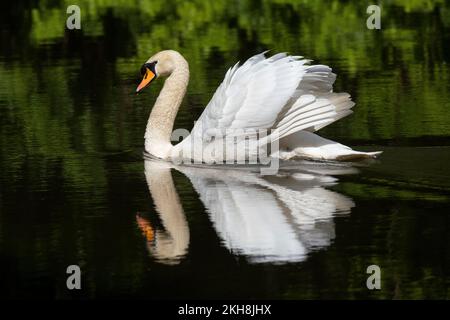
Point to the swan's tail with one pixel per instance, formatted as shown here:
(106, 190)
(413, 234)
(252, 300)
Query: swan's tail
(358, 155)
(305, 144)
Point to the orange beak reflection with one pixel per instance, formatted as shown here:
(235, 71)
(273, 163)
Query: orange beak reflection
(148, 77)
(146, 228)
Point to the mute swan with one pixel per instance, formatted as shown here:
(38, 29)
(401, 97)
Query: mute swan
(280, 218)
(281, 93)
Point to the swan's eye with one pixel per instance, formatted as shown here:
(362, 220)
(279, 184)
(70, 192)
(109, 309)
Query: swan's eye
(150, 66)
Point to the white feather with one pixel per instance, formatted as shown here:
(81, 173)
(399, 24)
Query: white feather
(281, 93)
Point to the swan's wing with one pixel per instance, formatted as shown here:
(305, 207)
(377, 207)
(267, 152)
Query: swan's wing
(281, 92)
(313, 111)
(314, 105)
(252, 95)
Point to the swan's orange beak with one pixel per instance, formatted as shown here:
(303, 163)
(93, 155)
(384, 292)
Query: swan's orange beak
(148, 77)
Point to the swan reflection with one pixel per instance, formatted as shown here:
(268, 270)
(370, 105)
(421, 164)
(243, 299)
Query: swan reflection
(265, 218)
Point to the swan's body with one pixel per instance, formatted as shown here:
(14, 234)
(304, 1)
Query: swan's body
(280, 95)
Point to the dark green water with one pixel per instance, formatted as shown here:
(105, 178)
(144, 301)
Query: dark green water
(73, 185)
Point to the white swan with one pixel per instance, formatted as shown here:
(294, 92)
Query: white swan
(281, 93)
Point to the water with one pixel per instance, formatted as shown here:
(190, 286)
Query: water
(75, 189)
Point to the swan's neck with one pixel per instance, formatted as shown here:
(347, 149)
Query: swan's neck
(162, 117)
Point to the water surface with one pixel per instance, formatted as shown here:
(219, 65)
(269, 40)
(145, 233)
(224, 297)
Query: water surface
(75, 188)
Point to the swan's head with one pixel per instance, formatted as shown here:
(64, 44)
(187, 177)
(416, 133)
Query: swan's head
(159, 65)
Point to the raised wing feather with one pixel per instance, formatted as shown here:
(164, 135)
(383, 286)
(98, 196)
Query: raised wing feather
(252, 96)
(282, 93)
